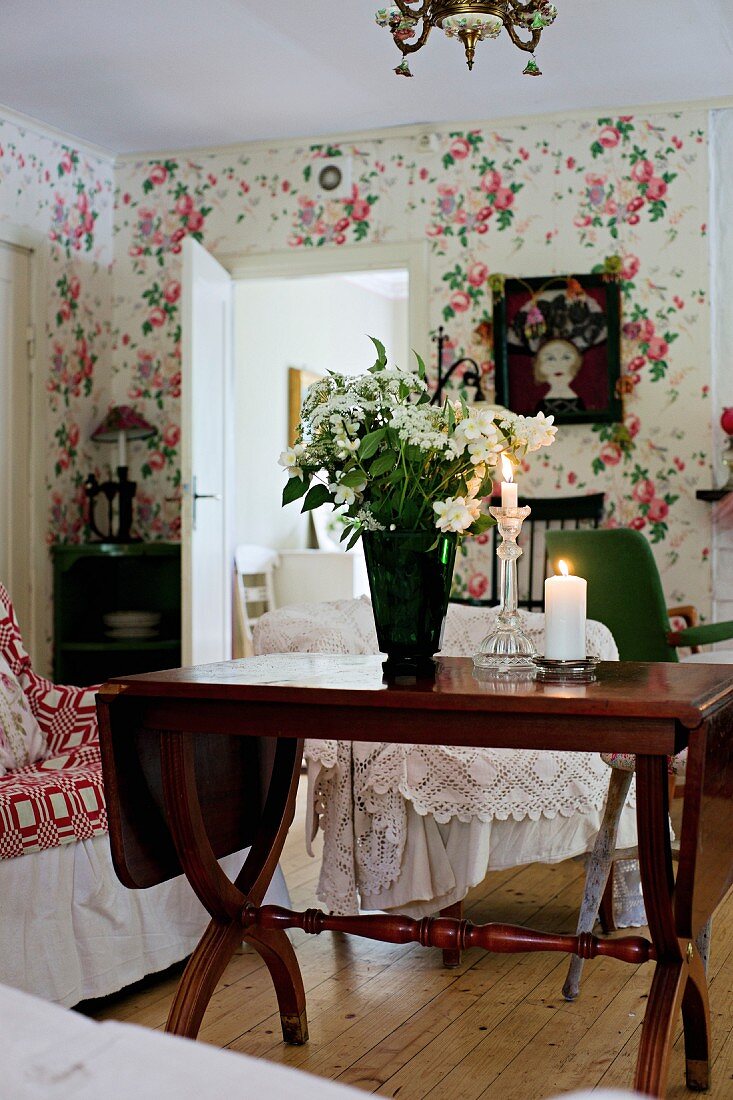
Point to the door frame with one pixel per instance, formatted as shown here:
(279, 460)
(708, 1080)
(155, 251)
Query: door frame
(411, 255)
(38, 570)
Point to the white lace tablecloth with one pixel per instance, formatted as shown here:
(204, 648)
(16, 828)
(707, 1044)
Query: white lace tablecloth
(414, 827)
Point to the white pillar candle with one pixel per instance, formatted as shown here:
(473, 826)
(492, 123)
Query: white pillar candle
(509, 489)
(121, 449)
(565, 603)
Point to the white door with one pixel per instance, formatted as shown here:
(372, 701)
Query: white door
(206, 457)
(15, 429)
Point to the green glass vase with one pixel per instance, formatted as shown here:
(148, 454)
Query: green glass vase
(410, 577)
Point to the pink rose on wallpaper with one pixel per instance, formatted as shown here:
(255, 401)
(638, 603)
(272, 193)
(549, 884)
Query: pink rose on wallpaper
(582, 221)
(646, 329)
(644, 490)
(679, 463)
(195, 221)
(360, 210)
(158, 174)
(658, 510)
(504, 198)
(65, 310)
(64, 459)
(635, 204)
(637, 363)
(490, 181)
(657, 189)
(610, 454)
(460, 149)
(66, 163)
(82, 202)
(678, 302)
(572, 477)
(484, 214)
(184, 205)
(609, 136)
(642, 171)
(477, 585)
(74, 287)
(631, 265)
(478, 274)
(657, 348)
(73, 435)
(156, 461)
(460, 301)
(157, 317)
(172, 291)
(637, 523)
(171, 435)
(633, 424)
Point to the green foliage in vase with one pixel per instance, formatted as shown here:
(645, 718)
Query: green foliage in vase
(375, 446)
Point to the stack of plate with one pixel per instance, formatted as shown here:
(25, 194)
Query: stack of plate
(132, 624)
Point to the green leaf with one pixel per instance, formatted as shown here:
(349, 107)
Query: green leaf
(370, 443)
(352, 478)
(294, 489)
(483, 523)
(420, 364)
(346, 531)
(315, 497)
(354, 539)
(381, 362)
(383, 463)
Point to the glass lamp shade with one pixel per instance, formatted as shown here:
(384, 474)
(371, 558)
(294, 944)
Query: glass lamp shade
(477, 23)
(122, 419)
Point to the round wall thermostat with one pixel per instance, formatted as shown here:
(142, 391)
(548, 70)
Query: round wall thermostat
(330, 177)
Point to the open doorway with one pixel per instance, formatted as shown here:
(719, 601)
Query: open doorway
(289, 331)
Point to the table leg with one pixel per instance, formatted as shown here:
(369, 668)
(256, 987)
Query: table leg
(679, 978)
(226, 900)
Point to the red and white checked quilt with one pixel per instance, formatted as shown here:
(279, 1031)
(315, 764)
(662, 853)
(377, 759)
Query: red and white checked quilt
(59, 799)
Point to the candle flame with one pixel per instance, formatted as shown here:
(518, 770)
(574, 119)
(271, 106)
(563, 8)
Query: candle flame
(507, 470)
(562, 566)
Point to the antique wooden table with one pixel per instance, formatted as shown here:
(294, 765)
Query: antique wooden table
(201, 762)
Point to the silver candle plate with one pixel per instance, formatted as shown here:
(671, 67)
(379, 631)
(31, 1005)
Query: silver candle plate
(558, 671)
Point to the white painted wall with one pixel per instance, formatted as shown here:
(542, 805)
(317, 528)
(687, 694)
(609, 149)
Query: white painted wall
(721, 163)
(316, 323)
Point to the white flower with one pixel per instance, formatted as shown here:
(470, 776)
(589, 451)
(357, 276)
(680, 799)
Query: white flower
(368, 521)
(455, 514)
(534, 432)
(421, 426)
(482, 452)
(290, 459)
(347, 494)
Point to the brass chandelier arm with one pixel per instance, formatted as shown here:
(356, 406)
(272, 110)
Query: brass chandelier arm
(411, 47)
(410, 11)
(530, 46)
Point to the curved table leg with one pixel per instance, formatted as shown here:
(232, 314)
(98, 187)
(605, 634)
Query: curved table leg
(599, 867)
(676, 965)
(696, 1019)
(225, 900)
(201, 976)
(280, 958)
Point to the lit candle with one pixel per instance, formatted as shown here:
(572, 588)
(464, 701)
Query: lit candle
(509, 489)
(565, 602)
(121, 449)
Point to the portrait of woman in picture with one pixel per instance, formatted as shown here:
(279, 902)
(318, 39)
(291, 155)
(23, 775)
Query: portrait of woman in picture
(557, 347)
(557, 364)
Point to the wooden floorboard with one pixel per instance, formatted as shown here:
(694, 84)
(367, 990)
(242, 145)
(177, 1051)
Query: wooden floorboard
(390, 1020)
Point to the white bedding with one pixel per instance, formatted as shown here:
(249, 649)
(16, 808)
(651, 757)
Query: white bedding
(69, 930)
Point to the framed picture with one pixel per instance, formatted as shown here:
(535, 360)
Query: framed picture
(557, 348)
(298, 383)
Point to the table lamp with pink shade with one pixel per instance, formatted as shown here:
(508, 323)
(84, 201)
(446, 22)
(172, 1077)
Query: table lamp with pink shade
(122, 423)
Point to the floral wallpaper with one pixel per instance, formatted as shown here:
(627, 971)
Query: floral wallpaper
(536, 199)
(65, 198)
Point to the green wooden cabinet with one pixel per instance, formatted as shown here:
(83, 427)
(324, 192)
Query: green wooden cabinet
(93, 579)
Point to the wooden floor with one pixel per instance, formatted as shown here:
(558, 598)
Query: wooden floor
(392, 1021)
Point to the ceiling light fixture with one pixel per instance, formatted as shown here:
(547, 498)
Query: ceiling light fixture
(470, 21)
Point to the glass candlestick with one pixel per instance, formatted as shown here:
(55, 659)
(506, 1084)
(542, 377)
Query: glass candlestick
(507, 647)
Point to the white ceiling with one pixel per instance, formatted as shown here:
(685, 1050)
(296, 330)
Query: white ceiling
(135, 75)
